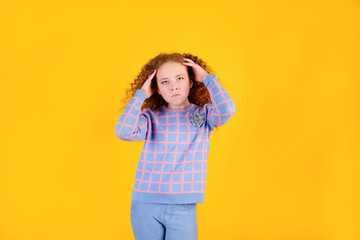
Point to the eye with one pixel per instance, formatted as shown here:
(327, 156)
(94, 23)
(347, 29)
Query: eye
(164, 82)
(180, 77)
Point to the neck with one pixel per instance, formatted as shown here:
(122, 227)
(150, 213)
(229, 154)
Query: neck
(184, 105)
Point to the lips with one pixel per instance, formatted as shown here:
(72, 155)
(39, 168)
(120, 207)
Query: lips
(175, 95)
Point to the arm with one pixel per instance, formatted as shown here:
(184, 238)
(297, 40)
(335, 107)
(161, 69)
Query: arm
(222, 108)
(132, 125)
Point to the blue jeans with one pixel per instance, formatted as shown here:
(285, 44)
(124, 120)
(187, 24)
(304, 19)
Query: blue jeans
(158, 221)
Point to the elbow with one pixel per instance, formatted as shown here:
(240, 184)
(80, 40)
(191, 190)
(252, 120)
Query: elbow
(232, 109)
(227, 113)
(128, 134)
(231, 112)
(228, 109)
(119, 135)
(122, 133)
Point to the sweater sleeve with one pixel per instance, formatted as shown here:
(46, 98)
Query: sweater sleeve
(132, 125)
(223, 107)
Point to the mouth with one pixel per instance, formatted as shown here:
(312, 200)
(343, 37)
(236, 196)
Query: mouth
(175, 95)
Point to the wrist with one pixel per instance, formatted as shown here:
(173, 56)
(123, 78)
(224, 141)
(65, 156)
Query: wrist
(141, 94)
(209, 78)
(145, 93)
(205, 76)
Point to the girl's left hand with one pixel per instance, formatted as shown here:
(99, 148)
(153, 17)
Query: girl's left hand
(200, 73)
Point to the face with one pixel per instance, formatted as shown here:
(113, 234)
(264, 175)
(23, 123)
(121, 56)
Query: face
(174, 84)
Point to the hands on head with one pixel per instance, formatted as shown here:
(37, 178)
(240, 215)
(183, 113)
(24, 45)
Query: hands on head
(146, 87)
(199, 72)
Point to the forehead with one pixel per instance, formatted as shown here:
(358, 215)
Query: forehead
(170, 69)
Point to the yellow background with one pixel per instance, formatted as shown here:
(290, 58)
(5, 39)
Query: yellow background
(286, 167)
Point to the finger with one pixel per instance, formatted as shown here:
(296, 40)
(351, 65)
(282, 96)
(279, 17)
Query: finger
(189, 63)
(187, 59)
(151, 76)
(186, 63)
(153, 73)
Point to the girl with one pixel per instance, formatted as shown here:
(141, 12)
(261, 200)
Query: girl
(176, 102)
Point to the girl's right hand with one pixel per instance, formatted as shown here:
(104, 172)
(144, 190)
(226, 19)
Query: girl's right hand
(146, 87)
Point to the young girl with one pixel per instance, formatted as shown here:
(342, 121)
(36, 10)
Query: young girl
(176, 104)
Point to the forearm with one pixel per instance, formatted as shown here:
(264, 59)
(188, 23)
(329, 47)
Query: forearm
(223, 106)
(132, 123)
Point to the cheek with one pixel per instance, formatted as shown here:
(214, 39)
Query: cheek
(162, 91)
(188, 87)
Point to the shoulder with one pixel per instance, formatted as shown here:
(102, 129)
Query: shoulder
(153, 112)
(205, 108)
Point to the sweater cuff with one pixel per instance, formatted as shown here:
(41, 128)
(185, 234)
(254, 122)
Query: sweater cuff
(140, 94)
(209, 78)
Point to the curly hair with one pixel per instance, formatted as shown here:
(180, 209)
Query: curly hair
(198, 95)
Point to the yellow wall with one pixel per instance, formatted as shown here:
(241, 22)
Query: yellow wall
(286, 167)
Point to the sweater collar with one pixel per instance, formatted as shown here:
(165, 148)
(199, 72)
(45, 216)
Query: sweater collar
(178, 109)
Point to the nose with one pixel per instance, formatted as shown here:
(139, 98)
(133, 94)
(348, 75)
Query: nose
(174, 87)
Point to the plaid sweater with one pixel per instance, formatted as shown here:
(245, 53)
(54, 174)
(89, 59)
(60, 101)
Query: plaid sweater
(173, 163)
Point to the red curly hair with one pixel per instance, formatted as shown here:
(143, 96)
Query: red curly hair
(198, 95)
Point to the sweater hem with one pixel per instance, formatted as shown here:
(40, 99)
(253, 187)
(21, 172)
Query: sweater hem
(180, 198)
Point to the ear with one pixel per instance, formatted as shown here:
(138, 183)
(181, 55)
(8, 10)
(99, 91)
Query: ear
(191, 83)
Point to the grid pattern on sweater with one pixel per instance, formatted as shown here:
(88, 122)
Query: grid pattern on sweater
(175, 152)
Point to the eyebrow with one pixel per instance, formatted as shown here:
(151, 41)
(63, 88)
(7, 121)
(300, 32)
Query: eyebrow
(175, 76)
